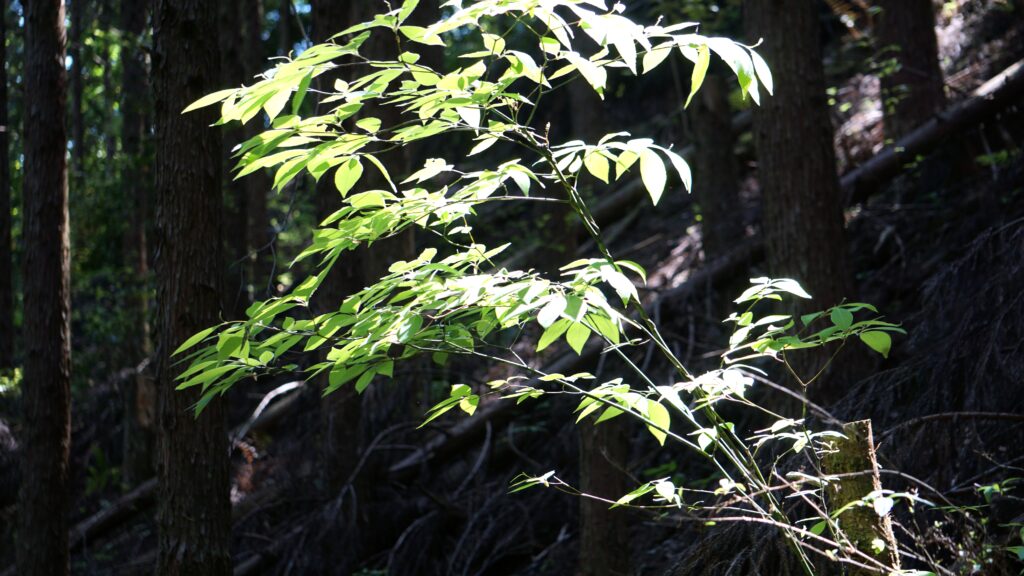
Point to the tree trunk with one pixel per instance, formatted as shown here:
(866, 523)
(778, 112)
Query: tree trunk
(715, 169)
(138, 392)
(258, 183)
(76, 47)
(284, 25)
(194, 514)
(604, 533)
(340, 411)
(6, 256)
(44, 498)
(853, 460)
(914, 92)
(802, 211)
(238, 271)
(604, 449)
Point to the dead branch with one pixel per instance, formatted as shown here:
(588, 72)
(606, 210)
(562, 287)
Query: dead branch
(950, 416)
(990, 98)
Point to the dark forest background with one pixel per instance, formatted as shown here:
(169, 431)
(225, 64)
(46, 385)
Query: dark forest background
(887, 168)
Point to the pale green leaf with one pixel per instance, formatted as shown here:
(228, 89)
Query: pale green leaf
(209, 100)
(347, 175)
(577, 336)
(597, 165)
(660, 420)
(700, 70)
(652, 172)
(878, 341)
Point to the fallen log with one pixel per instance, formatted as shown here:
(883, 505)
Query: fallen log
(138, 499)
(465, 431)
(990, 98)
(1000, 92)
(143, 495)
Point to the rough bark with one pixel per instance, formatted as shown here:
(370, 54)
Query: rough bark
(914, 92)
(44, 498)
(139, 391)
(6, 255)
(80, 148)
(603, 450)
(258, 183)
(604, 533)
(194, 513)
(802, 212)
(238, 265)
(340, 411)
(853, 460)
(715, 170)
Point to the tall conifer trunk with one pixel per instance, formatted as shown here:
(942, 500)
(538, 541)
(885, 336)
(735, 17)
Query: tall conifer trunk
(194, 512)
(6, 255)
(915, 91)
(802, 214)
(285, 27)
(715, 172)
(604, 449)
(340, 411)
(258, 183)
(238, 267)
(139, 394)
(44, 500)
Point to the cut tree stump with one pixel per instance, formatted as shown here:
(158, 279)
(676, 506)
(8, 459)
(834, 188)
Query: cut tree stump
(855, 468)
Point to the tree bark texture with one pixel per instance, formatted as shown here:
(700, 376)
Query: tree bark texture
(604, 533)
(6, 252)
(802, 217)
(139, 391)
(715, 170)
(44, 499)
(914, 92)
(853, 460)
(194, 513)
(258, 183)
(604, 449)
(238, 269)
(340, 411)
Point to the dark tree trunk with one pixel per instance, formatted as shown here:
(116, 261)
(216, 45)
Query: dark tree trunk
(139, 392)
(802, 214)
(604, 533)
(604, 449)
(387, 405)
(258, 183)
(194, 512)
(6, 256)
(239, 266)
(284, 27)
(340, 411)
(715, 171)
(44, 498)
(76, 47)
(915, 91)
